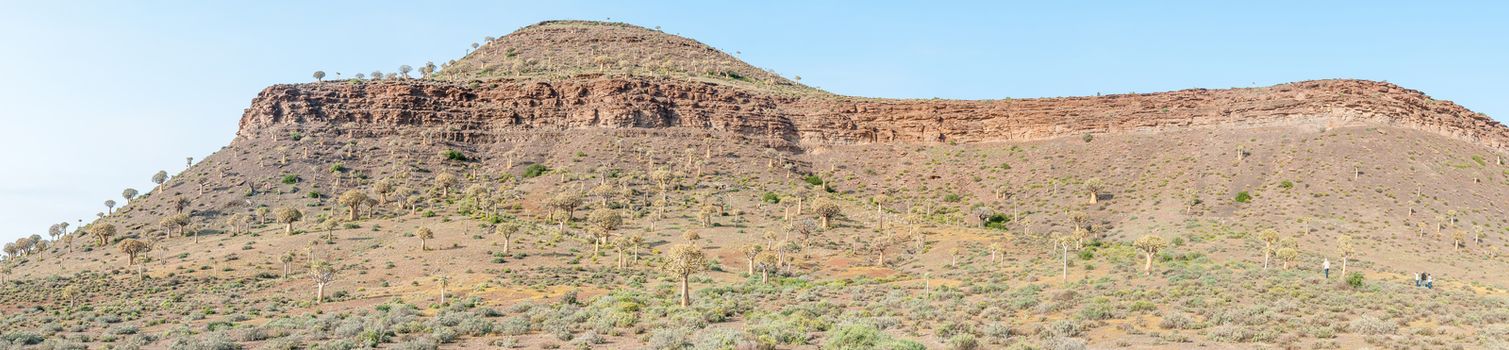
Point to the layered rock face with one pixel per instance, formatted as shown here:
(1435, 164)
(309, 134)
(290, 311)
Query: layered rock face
(477, 110)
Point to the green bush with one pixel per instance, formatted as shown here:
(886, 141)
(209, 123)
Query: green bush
(1286, 184)
(338, 168)
(855, 337)
(1243, 197)
(963, 342)
(290, 179)
(1354, 279)
(455, 155)
(534, 170)
(952, 198)
(813, 179)
(770, 197)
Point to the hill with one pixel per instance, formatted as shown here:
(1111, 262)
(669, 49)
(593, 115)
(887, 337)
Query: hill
(557, 184)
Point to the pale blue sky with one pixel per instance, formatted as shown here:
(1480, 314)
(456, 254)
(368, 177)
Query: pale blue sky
(99, 95)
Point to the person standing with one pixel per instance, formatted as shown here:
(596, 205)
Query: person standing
(1430, 281)
(1327, 266)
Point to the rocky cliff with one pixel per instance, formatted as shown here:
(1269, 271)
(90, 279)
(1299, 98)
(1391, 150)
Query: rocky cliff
(472, 111)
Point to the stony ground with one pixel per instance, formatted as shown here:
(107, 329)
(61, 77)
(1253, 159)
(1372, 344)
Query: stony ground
(969, 237)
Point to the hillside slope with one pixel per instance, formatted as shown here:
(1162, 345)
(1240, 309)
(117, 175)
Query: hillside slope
(954, 219)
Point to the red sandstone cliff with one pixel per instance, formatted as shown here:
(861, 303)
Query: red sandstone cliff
(471, 110)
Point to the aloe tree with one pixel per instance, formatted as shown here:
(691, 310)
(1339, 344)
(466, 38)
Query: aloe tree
(322, 273)
(129, 194)
(425, 235)
(133, 248)
(1149, 245)
(102, 233)
(109, 206)
(159, 178)
(507, 230)
(353, 200)
(1270, 238)
(683, 261)
(287, 216)
(1344, 246)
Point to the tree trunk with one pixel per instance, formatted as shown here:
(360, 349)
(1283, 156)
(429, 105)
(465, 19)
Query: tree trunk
(1147, 265)
(1267, 251)
(506, 243)
(686, 300)
(288, 229)
(353, 213)
(1066, 263)
(319, 294)
(285, 271)
(424, 245)
(1343, 266)
(751, 266)
(825, 222)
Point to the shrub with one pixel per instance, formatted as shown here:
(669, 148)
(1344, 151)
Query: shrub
(455, 155)
(1243, 197)
(338, 168)
(857, 336)
(1367, 324)
(963, 342)
(670, 339)
(1286, 184)
(813, 180)
(1177, 321)
(1354, 279)
(534, 170)
(1229, 334)
(290, 179)
(770, 197)
(1063, 343)
(952, 198)
(22, 338)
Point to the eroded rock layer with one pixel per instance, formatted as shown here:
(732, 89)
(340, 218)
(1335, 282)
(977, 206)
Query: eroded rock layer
(472, 111)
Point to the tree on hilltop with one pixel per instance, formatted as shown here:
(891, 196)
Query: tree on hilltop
(319, 75)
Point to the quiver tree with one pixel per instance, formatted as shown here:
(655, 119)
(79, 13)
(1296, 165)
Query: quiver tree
(159, 178)
(507, 230)
(174, 222)
(682, 261)
(1063, 242)
(766, 262)
(319, 75)
(109, 206)
(706, 214)
(1287, 255)
(1458, 240)
(445, 182)
(827, 211)
(133, 248)
(287, 260)
(750, 252)
(287, 216)
(129, 194)
(1093, 187)
(565, 203)
(1270, 240)
(1149, 245)
(322, 273)
(425, 235)
(383, 188)
(995, 251)
(603, 221)
(353, 201)
(1345, 247)
(102, 233)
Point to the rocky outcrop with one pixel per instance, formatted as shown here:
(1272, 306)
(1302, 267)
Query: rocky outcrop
(473, 111)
